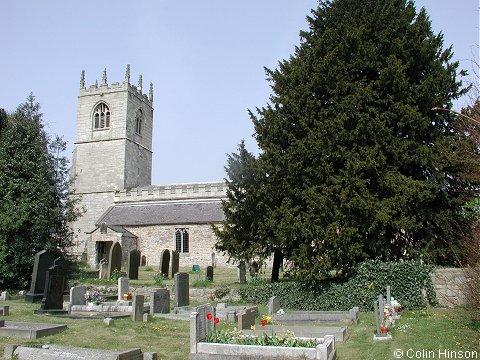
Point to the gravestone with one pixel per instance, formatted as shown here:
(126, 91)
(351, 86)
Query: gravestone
(133, 263)
(53, 296)
(242, 272)
(137, 307)
(144, 260)
(205, 323)
(379, 306)
(103, 269)
(43, 261)
(246, 319)
(122, 287)
(165, 262)
(4, 310)
(209, 274)
(77, 295)
(181, 289)
(175, 262)
(160, 301)
(273, 305)
(389, 297)
(115, 259)
(213, 260)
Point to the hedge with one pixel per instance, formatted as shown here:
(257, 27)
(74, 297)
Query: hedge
(369, 279)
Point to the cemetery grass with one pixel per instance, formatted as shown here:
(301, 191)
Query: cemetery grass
(430, 329)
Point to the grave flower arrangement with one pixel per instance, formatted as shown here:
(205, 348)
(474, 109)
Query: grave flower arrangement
(93, 297)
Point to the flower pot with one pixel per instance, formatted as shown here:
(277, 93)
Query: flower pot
(383, 330)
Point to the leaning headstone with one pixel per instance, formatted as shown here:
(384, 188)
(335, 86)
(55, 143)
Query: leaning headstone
(246, 319)
(123, 287)
(160, 301)
(165, 262)
(181, 290)
(273, 305)
(209, 275)
(242, 272)
(133, 263)
(137, 307)
(175, 262)
(43, 261)
(53, 296)
(115, 259)
(77, 295)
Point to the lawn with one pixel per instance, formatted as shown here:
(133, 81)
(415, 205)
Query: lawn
(428, 330)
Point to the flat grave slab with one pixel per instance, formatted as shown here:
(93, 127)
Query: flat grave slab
(94, 315)
(318, 317)
(340, 333)
(51, 352)
(27, 330)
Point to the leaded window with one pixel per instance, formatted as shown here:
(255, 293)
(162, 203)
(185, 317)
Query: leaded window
(182, 240)
(101, 116)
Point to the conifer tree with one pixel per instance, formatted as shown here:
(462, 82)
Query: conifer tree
(355, 161)
(34, 205)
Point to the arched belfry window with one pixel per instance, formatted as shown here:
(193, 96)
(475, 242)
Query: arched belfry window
(101, 116)
(139, 122)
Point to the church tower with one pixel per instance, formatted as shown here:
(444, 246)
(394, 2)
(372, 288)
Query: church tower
(113, 147)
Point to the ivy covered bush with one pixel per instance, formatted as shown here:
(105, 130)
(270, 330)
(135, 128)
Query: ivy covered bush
(370, 278)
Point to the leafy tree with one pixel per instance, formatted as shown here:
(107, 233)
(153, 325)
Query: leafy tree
(34, 206)
(356, 163)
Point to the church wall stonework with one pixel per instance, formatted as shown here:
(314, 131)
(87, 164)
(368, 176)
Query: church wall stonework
(153, 239)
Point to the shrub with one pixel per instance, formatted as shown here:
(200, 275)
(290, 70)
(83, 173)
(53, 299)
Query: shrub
(368, 280)
(159, 279)
(220, 293)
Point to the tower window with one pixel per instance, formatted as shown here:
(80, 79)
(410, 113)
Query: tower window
(182, 240)
(139, 122)
(101, 116)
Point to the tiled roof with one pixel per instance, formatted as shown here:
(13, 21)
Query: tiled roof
(163, 213)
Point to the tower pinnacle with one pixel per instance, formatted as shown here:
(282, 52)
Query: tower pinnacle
(150, 93)
(140, 84)
(104, 77)
(82, 80)
(127, 74)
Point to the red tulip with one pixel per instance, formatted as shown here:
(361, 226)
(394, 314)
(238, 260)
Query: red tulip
(209, 316)
(263, 323)
(216, 320)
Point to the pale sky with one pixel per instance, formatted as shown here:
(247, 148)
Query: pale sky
(205, 59)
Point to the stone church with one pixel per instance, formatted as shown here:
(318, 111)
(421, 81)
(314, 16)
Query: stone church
(112, 169)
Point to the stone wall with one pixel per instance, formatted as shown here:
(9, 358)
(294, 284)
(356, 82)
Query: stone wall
(451, 286)
(153, 239)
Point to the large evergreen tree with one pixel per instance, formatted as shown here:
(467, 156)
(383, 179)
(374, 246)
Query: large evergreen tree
(34, 204)
(356, 163)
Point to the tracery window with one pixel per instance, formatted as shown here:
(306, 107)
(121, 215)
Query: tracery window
(182, 240)
(101, 116)
(139, 122)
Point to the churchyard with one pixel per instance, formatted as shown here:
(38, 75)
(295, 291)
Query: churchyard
(111, 323)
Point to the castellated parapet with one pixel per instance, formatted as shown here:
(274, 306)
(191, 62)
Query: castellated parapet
(177, 192)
